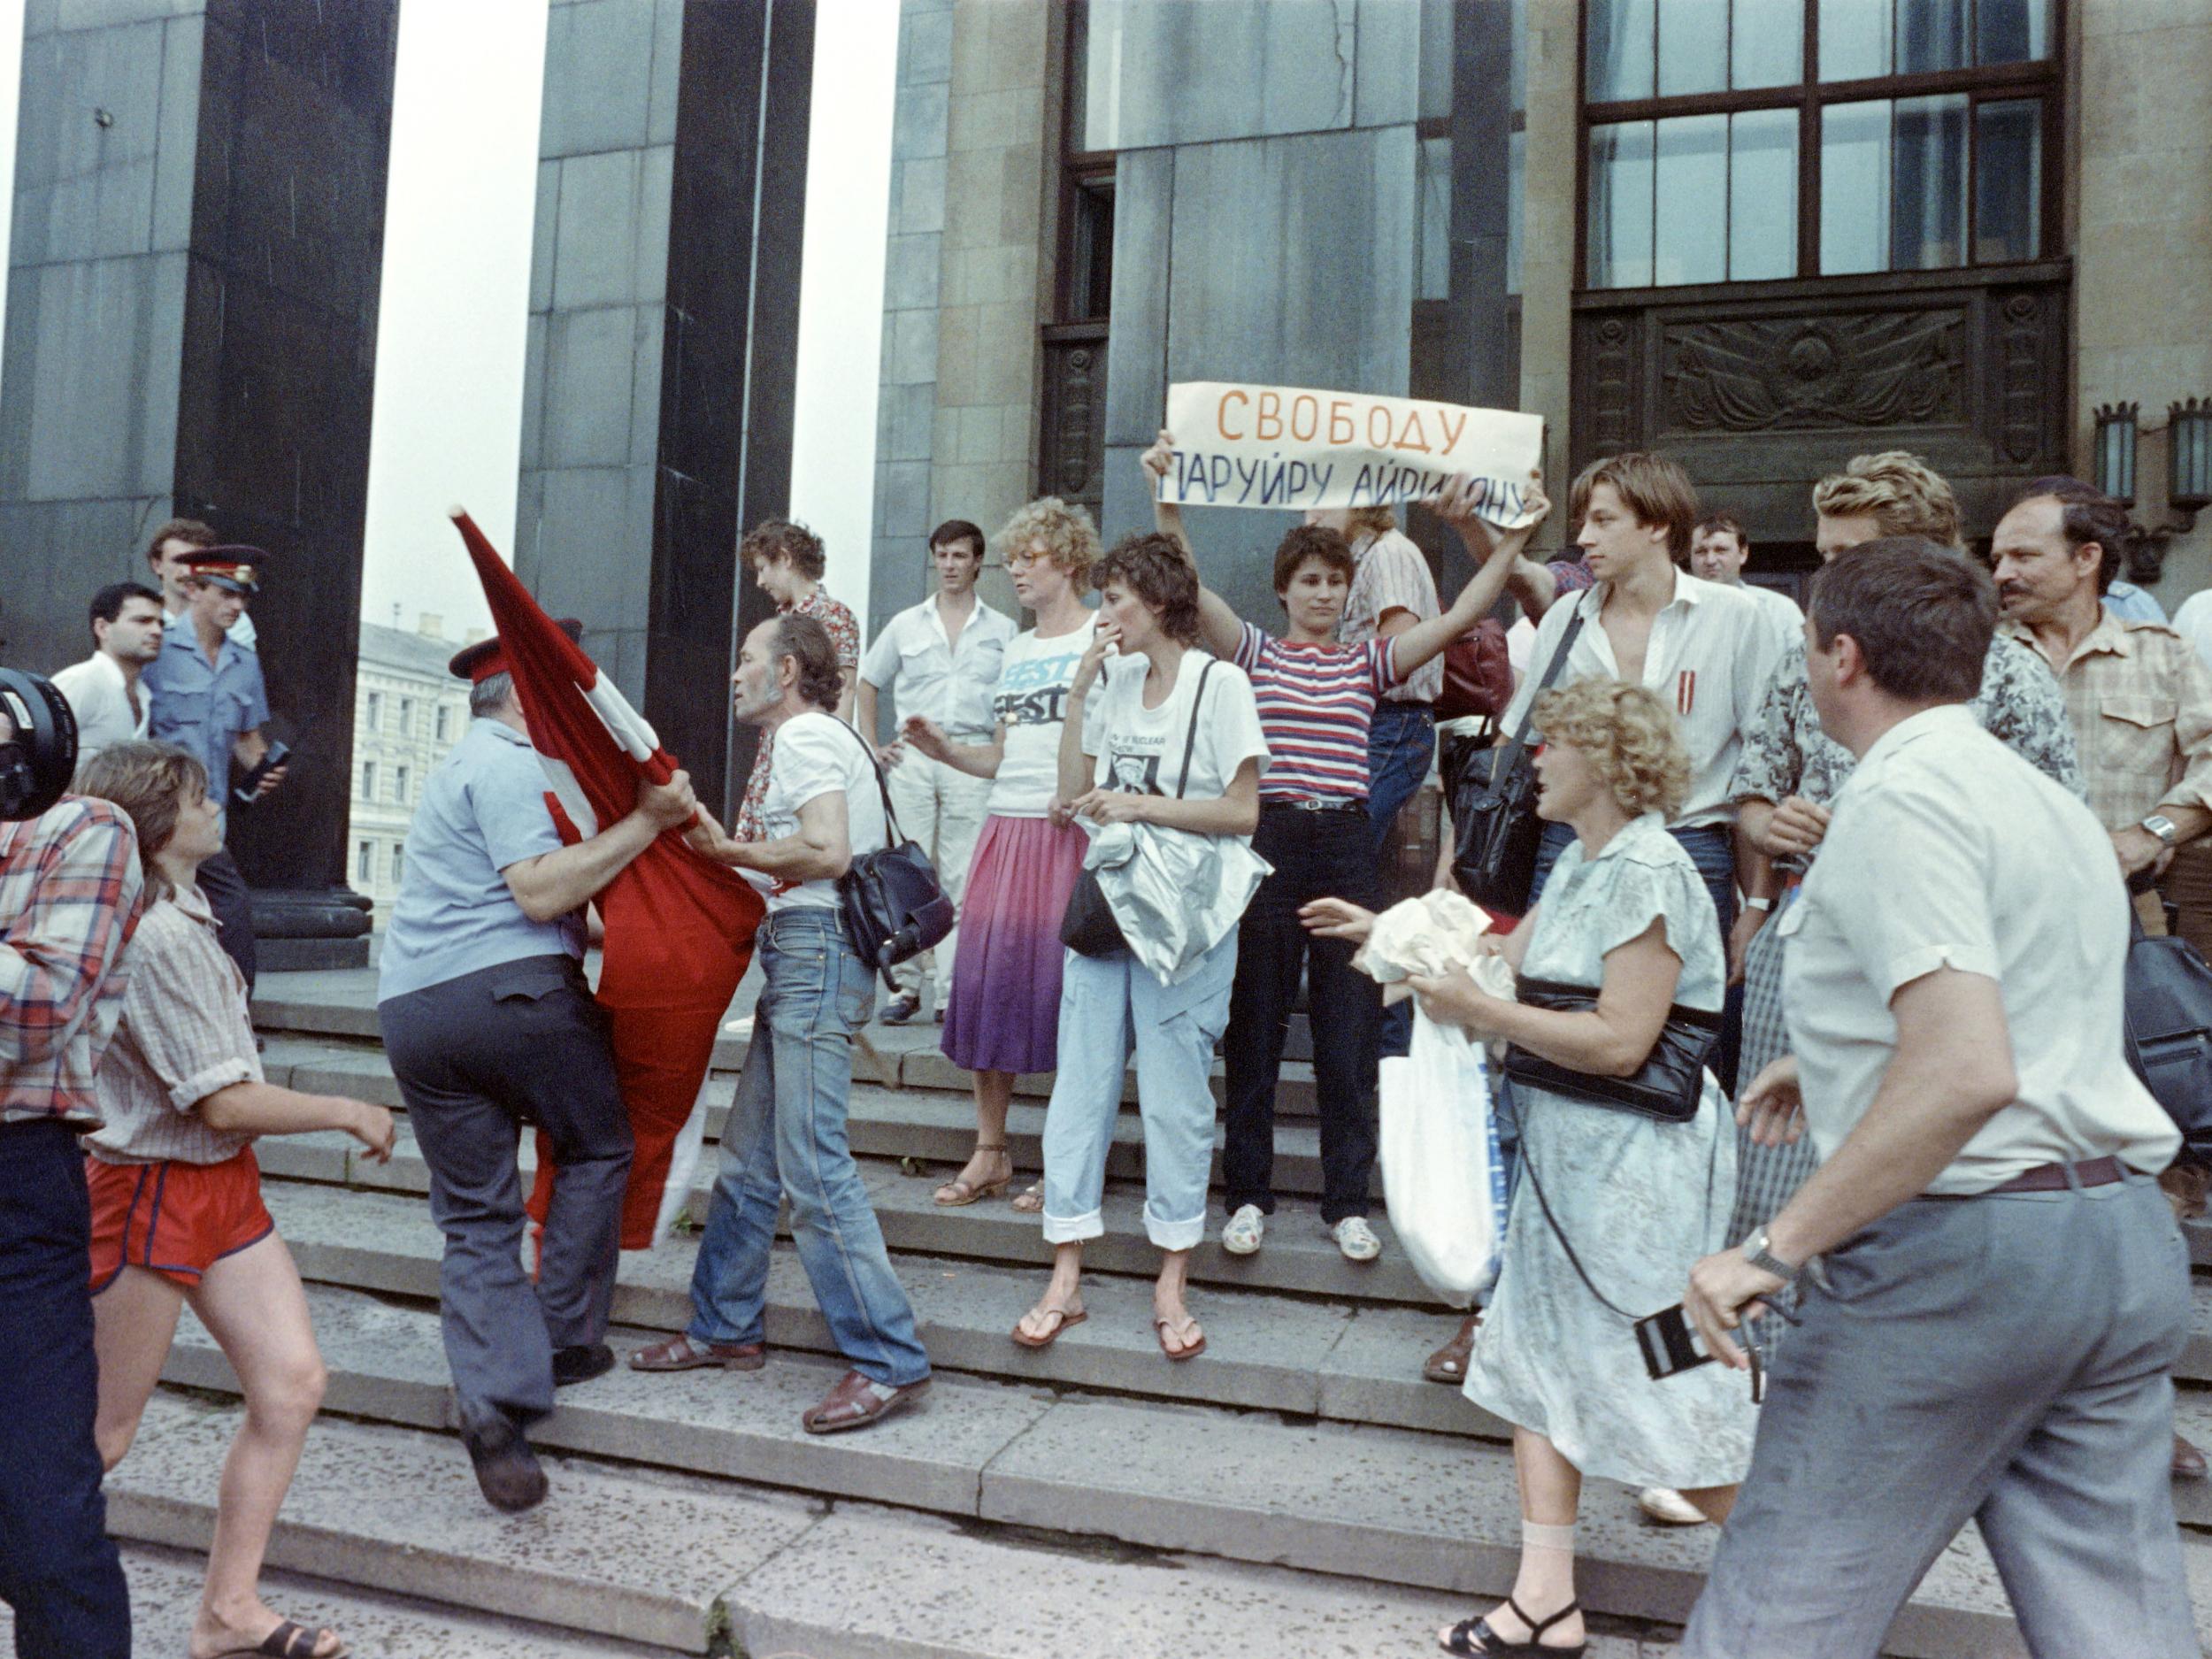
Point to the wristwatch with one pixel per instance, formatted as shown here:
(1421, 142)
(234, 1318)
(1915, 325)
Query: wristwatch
(2164, 828)
(1755, 1252)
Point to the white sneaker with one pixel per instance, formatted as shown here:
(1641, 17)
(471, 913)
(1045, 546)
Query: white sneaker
(1668, 1508)
(1241, 1236)
(1356, 1238)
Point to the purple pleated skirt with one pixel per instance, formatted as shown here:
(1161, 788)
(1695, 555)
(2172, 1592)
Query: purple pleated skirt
(1004, 1012)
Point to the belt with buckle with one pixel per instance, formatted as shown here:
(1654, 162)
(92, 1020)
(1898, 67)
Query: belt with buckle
(2052, 1177)
(1315, 803)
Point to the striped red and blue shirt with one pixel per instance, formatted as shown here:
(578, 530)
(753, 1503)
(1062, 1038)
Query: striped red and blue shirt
(70, 888)
(1316, 703)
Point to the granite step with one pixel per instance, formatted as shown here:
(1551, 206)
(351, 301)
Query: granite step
(1418, 1511)
(933, 1128)
(629, 1561)
(1312, 1358)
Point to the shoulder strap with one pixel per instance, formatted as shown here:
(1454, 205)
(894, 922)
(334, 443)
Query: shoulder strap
(1190, 742)
(1528, 1173)
(893, 834)
(1552, 668)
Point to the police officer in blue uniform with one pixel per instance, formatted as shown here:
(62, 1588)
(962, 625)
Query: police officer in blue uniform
(208, 697)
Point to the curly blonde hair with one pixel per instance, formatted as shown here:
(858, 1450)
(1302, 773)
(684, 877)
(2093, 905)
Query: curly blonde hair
(1070, 537)
(1630, 737)
(1902, 493)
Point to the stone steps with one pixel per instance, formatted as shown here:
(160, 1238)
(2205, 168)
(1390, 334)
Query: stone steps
(932, 1127)
(628, 1562)
(1332, 1360)
(1421, 1512)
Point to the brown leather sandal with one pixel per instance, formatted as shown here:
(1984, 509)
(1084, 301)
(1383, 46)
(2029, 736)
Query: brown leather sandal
(1448, 1363)
(964, 1194)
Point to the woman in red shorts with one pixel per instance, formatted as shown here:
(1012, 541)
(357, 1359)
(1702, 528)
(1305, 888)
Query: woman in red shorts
(177, 1215)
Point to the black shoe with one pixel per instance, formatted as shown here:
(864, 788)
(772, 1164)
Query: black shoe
(901, 1010)
(506, 1468)
(582, 1363)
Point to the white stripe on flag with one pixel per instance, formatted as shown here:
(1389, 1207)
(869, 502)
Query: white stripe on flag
(624, 723)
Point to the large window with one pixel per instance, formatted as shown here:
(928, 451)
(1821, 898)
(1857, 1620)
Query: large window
(1739, 141)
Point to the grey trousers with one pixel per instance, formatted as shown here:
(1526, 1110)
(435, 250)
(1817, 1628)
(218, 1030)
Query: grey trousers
(2002, 1359)
(476, 1057)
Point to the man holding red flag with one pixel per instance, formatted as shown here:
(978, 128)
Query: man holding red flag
(488, 1021)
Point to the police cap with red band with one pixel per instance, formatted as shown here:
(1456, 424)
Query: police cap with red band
(236, 567)
(478, 662)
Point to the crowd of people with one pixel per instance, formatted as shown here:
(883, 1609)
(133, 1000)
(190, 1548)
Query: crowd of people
(1879, 850)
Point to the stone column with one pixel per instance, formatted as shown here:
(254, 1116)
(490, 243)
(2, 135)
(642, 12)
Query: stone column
(1550, 211)
(662, 343)
(199, 225)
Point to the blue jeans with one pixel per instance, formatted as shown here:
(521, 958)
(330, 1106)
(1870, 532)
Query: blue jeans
(1107, 1002)
(786, 1135)
(1401, 744)
(58, 1569)
(1712, 848)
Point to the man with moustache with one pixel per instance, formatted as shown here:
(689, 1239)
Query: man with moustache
(786, 1134)
(104, 691)
(941, 658)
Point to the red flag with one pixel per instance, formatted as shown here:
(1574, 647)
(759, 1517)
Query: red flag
(679, 926)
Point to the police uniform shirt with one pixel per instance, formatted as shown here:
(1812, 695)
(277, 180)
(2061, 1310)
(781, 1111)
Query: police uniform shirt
(203, 707)
(481, 810)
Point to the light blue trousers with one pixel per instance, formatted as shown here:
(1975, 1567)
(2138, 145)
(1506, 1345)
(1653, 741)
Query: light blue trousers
(1107, 1003)
(2004, 1360)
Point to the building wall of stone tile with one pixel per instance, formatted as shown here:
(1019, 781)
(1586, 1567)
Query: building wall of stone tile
(2142, 208)
(1551, 50)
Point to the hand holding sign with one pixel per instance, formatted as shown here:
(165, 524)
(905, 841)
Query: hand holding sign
(1291, 447)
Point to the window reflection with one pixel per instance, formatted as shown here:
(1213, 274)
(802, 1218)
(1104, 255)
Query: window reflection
(1692, 46)
(1854, 39)
(1620, 205)
(1763, 195)
(1433, 250)
(1767, 43)
(1620, 48)
(1928, 222)
(1093, 82)
(1691, 237)
(2008, 179)
(1931, 35)
(1855, 188)
(2011, 31)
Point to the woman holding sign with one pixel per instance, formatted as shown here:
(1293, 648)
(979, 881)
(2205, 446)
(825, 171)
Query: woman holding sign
(1317, 700)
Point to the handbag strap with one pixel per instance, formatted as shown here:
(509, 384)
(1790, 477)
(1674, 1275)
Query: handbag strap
(893, 834)
(1552, 668)
(1528, 1169)
(1190, 742)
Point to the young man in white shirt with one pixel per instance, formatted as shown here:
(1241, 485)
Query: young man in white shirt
(786, 1135)
(1719, 550)
(1705, 648)
(103, 690)
(942, 659)
(1993, 1289)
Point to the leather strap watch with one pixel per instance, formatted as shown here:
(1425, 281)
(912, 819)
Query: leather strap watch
(1756, 1253)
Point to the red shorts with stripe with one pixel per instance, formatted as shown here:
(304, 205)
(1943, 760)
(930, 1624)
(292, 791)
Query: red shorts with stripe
(176, 1219)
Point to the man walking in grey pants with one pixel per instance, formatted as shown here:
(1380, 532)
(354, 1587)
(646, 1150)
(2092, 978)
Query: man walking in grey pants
(1995, 1290)
(488, 1024)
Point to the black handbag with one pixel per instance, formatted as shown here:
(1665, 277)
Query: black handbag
(1496, 831)
(1088, 927)
(895, 907)
(1667, 1087)
(2169, 1033)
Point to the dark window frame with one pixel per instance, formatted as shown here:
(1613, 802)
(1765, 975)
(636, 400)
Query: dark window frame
(2043, 79)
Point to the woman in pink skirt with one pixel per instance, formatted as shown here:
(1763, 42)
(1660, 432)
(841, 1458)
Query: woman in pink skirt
(1004, 1016)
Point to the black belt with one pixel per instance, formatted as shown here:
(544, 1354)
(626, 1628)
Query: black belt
(2051, 1177)
(1315, 803)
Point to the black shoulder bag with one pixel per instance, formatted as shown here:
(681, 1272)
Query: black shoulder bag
(895, 907)
(2169, 1033)
(1088, 928)
(1667, 1087)
(1495, 827)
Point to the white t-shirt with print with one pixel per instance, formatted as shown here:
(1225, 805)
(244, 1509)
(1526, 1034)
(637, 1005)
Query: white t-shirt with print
(1031, 702)
(1142, 749)
(817, 753)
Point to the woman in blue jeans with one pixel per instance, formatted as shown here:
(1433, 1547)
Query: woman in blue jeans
(1177, 746)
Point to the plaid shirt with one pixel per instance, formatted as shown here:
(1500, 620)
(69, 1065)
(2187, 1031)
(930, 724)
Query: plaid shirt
(845, 635)
(2140, 701)
(70, 888)
(185, 1034)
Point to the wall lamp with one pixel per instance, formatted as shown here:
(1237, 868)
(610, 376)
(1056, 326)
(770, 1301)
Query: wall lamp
(2188, 472)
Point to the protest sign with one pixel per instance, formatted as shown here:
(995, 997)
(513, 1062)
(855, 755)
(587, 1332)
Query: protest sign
(1291, 446)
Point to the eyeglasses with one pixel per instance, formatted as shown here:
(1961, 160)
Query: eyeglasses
(1015, 561)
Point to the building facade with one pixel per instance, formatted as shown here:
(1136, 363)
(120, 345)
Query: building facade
(408, 710)
(1761, 235)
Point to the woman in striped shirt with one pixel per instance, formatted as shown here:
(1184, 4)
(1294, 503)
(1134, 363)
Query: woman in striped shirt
(177, 1215)
(1316, 699)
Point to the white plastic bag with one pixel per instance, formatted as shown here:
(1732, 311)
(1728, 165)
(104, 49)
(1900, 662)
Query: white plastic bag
(1442, 1177)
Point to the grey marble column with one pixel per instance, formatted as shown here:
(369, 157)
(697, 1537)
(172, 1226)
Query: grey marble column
(191, 329)
(663, 339)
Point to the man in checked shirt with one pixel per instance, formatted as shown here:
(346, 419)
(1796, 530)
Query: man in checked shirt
(70, 889)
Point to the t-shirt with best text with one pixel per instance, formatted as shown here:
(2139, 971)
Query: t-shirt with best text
(1030, 704)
